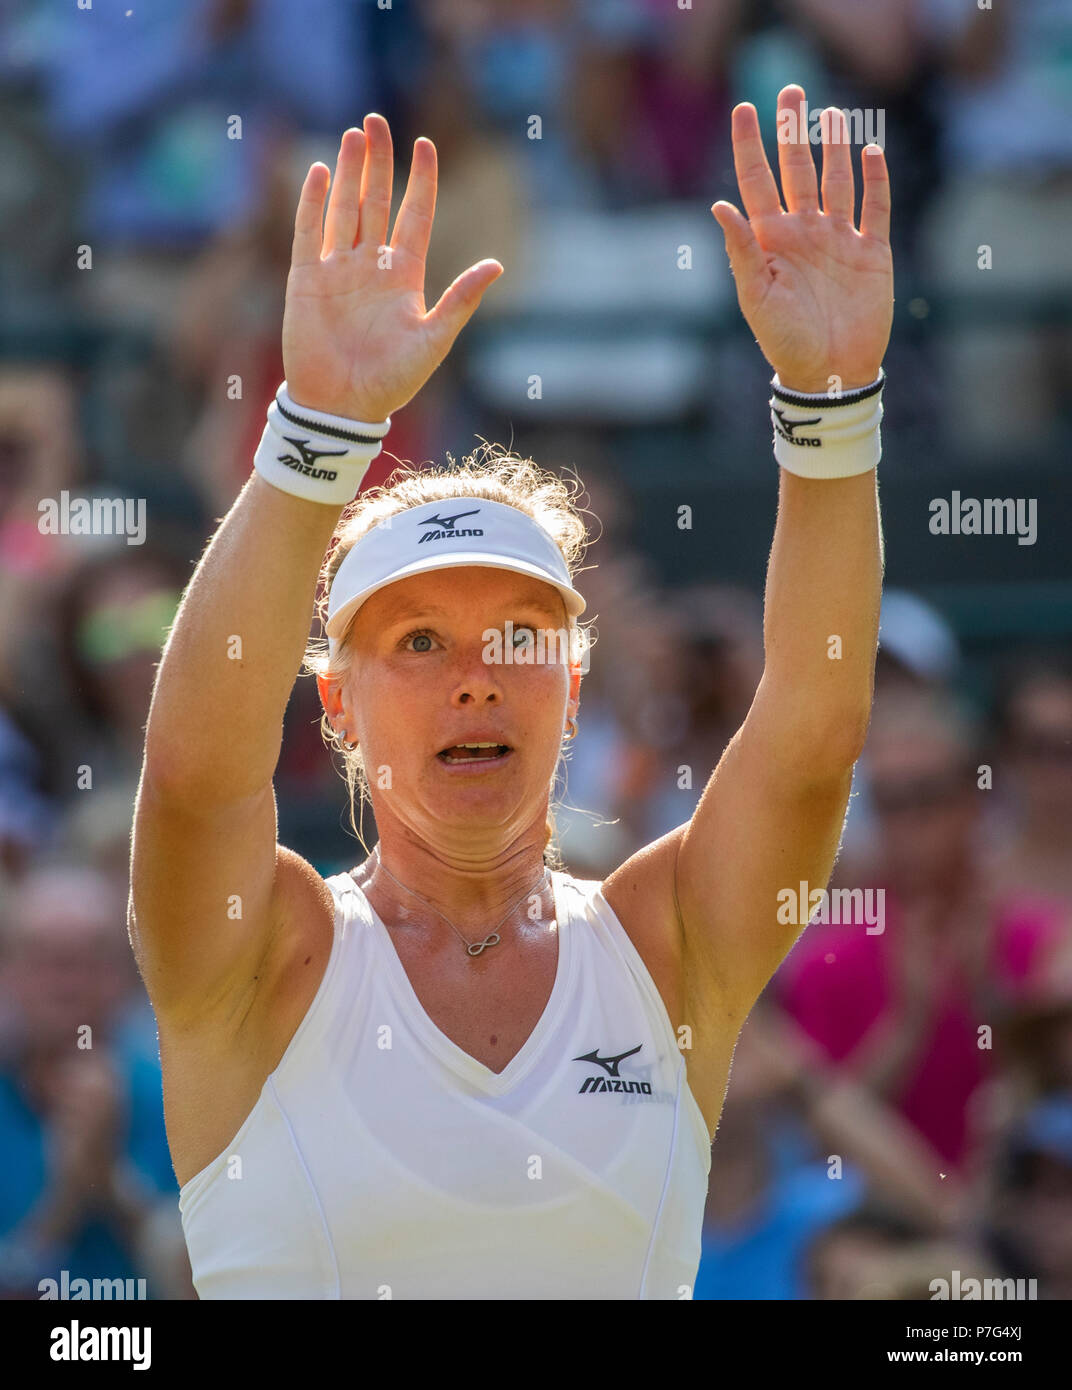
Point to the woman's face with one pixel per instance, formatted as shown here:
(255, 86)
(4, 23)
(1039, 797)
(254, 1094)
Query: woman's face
(431, 670)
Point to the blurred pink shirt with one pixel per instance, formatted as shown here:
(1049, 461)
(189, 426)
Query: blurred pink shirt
(838, 982)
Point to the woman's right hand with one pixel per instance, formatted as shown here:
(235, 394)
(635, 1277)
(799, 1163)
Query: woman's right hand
(356, 338)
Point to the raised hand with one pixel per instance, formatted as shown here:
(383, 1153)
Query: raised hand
(817, 293)
(357, 340)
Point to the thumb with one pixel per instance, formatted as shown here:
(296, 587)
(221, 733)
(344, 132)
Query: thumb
(459, 301)
(747, 261)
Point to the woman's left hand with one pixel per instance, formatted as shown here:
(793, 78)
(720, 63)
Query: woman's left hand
(817, 293)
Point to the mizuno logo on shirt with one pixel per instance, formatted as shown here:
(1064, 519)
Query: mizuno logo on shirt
(592, 1084)
(610, 1063)
(612, 1081)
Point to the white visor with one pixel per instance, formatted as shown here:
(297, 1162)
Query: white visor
(440, 535)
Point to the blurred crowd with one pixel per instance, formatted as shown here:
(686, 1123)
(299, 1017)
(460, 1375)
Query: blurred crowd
(900, 1105)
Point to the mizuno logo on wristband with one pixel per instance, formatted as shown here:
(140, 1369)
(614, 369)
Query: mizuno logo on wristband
(308, 457)
(786, 427)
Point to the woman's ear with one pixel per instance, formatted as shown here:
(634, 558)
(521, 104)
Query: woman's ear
(573, 703)
(330, 695)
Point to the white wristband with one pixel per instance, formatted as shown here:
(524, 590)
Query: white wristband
(823, 436)
(314, 455)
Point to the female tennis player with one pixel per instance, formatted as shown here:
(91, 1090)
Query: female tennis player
(457, 1072)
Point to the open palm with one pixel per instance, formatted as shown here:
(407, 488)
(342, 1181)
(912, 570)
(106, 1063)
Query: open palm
(817, 293)
(357, 340)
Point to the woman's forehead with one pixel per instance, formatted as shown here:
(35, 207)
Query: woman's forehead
(460, 589)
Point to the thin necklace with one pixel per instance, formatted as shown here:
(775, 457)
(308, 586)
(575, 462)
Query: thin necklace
(473, 947)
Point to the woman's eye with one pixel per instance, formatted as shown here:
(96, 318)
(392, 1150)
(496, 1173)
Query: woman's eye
(421, 635)
(522, 634)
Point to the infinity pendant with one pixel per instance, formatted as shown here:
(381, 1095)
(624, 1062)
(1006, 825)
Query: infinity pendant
(478, 946)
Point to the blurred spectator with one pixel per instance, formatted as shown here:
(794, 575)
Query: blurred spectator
(869, 1256)
(483, 208)
(27, 811)
(997, 232)
(516, 63)
(652, 111)
(86, 1161)
(702, 692)
(225, 335)
(40, 456)
(39, 202)
(798, 1148)
(1035, 1034)
(149, 98)
(1033, 719)
(768, 1191)
(876, 59)
(917, 650)
(631, 96)
(95, 829)
(113, 616)
(1033, 1048)
(845, 1259)
(901, 1008)
(482, 201)
(1030, 1222)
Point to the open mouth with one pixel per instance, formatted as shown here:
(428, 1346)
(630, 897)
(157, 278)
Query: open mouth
(471, 754)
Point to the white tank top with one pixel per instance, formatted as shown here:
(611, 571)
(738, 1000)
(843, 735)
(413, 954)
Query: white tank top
(382, 1161)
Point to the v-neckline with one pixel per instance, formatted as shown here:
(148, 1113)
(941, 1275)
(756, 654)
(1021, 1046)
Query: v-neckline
(456, 1057)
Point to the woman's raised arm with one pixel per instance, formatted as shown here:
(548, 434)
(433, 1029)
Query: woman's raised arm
(357, 342)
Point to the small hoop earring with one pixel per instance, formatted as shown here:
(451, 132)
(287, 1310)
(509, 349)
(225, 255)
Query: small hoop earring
(571, 724)
(340, 736)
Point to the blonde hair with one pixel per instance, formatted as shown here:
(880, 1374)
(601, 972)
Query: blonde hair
(489, 472)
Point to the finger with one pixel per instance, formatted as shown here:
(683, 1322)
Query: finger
(413, 225)
(795, 163)
(875, 211)
(747, 259)
(759, 192)
(459, 302)
(344, 205)
(309, 217)
(376, 182)
(839, 190)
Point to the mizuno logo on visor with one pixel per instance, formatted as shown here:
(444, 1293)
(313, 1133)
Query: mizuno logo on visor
(450, 522)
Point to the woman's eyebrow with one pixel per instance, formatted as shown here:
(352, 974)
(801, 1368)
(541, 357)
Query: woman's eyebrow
(420, 610)
(415, 610)
(544, 606)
